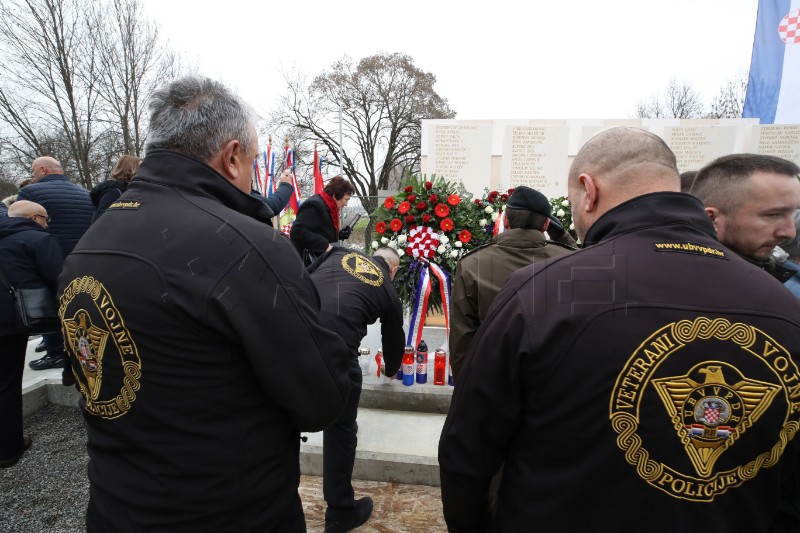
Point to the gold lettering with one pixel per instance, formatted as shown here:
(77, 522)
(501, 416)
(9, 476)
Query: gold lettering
(635, 374)
(628, 395)
(769, 349)
(665, 479)
(104, 301)
(794, 391)
(781, 363)
(110, 314)
(628, 383)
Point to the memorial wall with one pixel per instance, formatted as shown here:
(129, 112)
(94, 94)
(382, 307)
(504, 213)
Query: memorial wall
(500, 154)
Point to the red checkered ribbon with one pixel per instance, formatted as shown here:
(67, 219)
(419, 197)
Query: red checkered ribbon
(422, 242)
(788, 28)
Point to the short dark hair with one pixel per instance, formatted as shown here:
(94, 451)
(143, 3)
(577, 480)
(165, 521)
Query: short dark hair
(720, 183)
(687, 179)
(338, 187)
(525, 219)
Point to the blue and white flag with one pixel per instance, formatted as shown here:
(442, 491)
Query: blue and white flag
(773, 91)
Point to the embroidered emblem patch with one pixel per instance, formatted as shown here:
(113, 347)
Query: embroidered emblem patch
(689, 248)
(125, 205)
(95, 336)
(710, 405)
(362, 269)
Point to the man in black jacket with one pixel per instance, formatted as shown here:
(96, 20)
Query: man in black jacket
(648, 382)
(355, 291)
(193, 329)
(31, 259)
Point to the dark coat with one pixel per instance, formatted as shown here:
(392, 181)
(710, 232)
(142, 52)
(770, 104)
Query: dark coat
(481, 274)
(648, 382)
(355, 291)
(313, 229)
(192, 327)
(68, 205)
(106, 193)
(31, 258)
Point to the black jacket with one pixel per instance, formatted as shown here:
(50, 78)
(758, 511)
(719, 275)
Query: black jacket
(648, 382)
(313, 230)
(31, 258)
(355, 291)
(106, 193)
(193, 328)
(68, 205)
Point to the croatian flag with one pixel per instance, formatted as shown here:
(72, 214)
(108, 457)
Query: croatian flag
(773, 91)
(269, 171)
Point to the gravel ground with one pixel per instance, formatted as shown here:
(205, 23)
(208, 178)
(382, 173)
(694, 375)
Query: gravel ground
(47, 491)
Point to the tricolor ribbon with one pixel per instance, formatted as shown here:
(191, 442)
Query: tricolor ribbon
(419, 309)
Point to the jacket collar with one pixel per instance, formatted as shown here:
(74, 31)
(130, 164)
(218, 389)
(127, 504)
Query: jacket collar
(11, 225)
(52, 177)
(520, 238)
(173, 169)
(651, 210)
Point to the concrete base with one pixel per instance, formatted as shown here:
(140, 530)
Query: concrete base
(393, 446)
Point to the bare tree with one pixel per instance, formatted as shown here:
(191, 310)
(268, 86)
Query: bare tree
(74, 80)
(133, 62)
(729, 102)
(680, 100)
(382, 100)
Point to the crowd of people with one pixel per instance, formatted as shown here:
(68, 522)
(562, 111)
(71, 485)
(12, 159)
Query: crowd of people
(645, 380)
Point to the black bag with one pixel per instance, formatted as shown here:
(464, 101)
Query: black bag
(37, 309)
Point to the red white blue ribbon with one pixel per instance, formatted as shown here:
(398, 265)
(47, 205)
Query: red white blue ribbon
(419, 309)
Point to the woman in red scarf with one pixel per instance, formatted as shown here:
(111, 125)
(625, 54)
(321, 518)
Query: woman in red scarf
(317, 224)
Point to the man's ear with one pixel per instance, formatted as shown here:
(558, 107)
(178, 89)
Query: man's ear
(715, 216)
(225, 162)
(589, 185)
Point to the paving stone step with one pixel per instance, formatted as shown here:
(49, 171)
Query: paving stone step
(394, 446)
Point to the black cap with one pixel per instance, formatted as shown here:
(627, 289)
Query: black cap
(532, 200)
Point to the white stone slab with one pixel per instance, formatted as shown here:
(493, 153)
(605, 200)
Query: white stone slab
(461, 152)
(536, 156)
(695, 146)
(782, 140)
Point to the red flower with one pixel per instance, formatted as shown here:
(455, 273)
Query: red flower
(428, 185)
(453, 199)
(426, 218)
(442, 210)
(446, 224)
(465, 236)
(409, 218)
(389, 202)
(504, 197)
(403, 207)
(412, 198)
(422, 206)
(477, 202)
(409, 188)
(510, 192)
(433, 198)
(395, 224)
(409, 251)
(380, 227)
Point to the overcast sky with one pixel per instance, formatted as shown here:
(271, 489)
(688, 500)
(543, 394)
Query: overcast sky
(498, 59)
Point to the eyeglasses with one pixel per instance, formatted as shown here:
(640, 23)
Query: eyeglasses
(46, 218)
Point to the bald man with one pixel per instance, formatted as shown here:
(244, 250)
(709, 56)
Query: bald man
(643, 383)
(71, 210)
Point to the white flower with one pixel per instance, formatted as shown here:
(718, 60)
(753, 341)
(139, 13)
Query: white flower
(504, 207)
(494, 216)
(401, 252)
(393, 244)
(375, 244)
(441, 249)
(401, 239)
(561, 212)
(488, 210)
(384, 240)
(483, 222)
(565, 203)
(572, 226)
(444, 239)
(454, 254)
(458, 244)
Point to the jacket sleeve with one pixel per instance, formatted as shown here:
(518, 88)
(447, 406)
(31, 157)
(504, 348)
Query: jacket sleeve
(49, 260)
(483, 415)
(301, 366)
(279, 198)
(392, 334)
(307, 229)
(464, 320)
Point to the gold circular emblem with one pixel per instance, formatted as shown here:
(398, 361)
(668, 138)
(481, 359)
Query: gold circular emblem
(362, 269)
